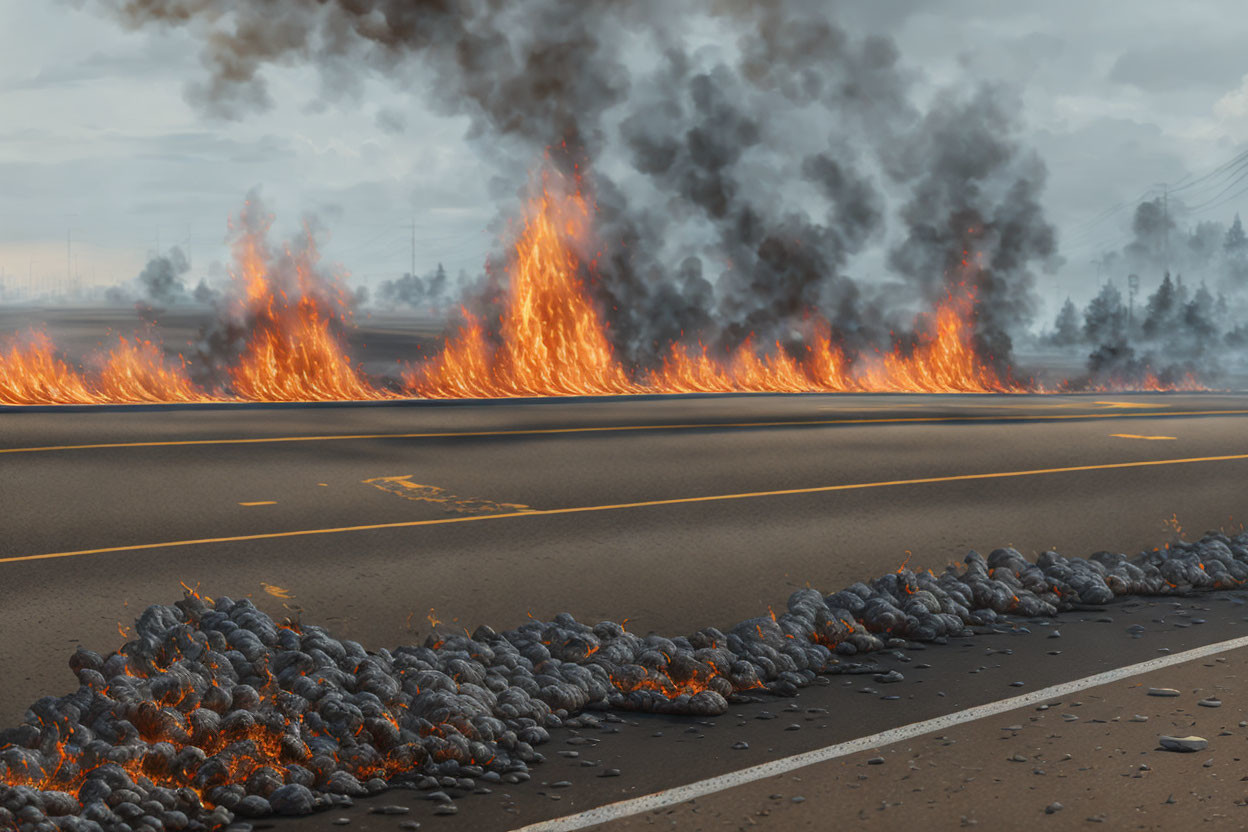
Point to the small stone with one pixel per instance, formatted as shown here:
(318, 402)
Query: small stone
(439, 797)
(1208, 763)
(1017, 684)
(410, 825)
(561, 784)
(341, 821)
(765, 715)
(1055, 634)
(1070, 718)
(1012, 728)
(1053, 808)
(389, 810)
(1163, 692)
(875, 761)
(889, 678)
(740, 746)
(1210, 703)
(1185, 744)
(798, 799)
(1016, 758)
(1139, 718)
(793, 727)
(446, 809)
(610, 772)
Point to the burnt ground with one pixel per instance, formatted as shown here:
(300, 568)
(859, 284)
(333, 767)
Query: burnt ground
(671, 567)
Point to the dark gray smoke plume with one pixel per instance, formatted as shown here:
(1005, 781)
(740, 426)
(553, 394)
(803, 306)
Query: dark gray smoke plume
(414, 291)
(161, 279)
(740, 153)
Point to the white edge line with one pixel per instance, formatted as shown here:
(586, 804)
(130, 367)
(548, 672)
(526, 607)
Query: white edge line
(680, 794)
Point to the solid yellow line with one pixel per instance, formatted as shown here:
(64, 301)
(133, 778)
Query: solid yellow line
(1138, 436)
(260, 503)
(619, 428)
(618, 506)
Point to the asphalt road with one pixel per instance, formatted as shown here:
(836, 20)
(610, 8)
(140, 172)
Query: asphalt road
(484, 513)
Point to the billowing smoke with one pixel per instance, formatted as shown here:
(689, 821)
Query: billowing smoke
(415, 291)
(161, 279)
(740, 153)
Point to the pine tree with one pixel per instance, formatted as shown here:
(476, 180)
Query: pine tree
(1066, 327)
(1236, 242)
(1105, 319)
(1160, 308)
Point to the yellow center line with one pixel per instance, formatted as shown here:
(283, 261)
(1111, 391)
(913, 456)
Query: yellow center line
(260, 503)
(621, 506)
(619, 428)
(1139, 436)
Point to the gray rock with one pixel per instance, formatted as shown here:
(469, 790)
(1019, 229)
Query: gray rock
(1186, 744)
(1163, 692)
(392, 809)
(292, 799)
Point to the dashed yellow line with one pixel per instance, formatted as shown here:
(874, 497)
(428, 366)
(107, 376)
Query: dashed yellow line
(618, 429)
(623, 506)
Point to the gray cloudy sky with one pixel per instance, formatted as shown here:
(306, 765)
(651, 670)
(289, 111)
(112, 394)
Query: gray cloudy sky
(97, 137)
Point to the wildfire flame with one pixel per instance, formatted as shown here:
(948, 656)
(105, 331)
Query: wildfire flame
(292, 354)
(552, 342)
(549, 340)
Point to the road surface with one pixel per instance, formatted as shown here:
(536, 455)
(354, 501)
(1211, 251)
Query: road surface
(676, 513)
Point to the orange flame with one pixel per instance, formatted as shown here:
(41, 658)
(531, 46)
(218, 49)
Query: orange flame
(137, 372)
(553, 342)
(292, 354)
(30, 373)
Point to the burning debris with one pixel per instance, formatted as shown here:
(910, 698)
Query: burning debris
(214, 710)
